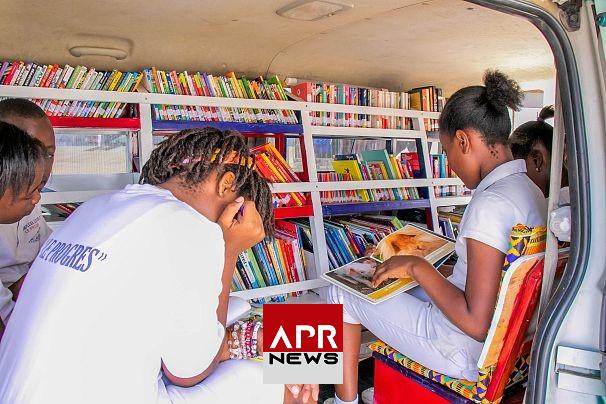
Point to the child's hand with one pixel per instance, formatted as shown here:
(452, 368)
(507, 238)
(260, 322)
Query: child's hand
(308, 393)
(242, 226)
(396, 267)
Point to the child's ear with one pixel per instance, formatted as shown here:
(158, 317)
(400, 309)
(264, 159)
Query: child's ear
(226, 183)
(461, 140)
(537, 159)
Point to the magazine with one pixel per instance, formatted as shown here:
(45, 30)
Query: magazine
(356, 276)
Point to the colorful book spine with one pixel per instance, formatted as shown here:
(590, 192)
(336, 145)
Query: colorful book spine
(228, 85)
(348, 94)
(18, 73)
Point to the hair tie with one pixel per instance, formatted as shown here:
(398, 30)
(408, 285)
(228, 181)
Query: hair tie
(540, 119)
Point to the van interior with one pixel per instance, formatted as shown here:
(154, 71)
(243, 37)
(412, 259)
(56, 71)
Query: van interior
(391, 44)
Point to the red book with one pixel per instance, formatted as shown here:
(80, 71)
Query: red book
(303, 91)
(11, 73)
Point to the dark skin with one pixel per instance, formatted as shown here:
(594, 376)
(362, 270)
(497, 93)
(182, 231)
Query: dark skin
(217, 201)
(470, 310)
(12, 209)
(15, 207)
(538, 165)
(41, 129)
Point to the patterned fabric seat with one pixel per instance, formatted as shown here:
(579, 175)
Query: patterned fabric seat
(504, 359)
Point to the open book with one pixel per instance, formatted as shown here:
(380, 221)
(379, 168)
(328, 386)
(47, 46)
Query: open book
(356, 277)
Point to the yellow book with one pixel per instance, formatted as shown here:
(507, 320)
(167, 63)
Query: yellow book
(395, 168)
(352, 168)
(137, 83)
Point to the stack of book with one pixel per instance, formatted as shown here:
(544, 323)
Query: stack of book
(348, 238)
(273, 262)
(347, 94)
(450, 220)
(272, 166)
(368, 165)
(30, 74)
(441, 169)
(203, 84)
(430, 99)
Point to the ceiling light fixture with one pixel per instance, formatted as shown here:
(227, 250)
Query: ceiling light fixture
(313, 10)
(78, 51)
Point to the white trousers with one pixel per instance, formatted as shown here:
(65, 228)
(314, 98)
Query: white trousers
(232, 382)
(411, 324)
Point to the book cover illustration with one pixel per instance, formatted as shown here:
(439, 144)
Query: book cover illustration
(356, 276)
(414, 240)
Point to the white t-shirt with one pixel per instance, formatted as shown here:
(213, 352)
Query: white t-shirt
(504, 198)
(131, 279)
(19, 245)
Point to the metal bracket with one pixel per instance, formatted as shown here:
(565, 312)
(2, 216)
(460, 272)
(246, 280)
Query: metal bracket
(579, 370)
(570, 14)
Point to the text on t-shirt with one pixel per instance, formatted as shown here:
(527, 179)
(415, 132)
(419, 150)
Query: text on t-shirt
(74, 256)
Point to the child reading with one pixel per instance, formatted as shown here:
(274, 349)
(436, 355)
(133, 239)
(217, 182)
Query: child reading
(444, 330)
(127, 301)
(20, 240)
(21, 170)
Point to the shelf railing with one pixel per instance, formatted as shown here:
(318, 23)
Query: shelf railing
(147, 126)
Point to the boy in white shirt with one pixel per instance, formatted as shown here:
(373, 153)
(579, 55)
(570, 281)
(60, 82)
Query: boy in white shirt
(127, 301)
(21, 241)
(21, 172)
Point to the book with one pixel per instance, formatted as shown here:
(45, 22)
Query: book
(275, 261)
(18, 73)
(356, 276)
(348, 94)
(367, 166)
(272, 166)
(441, 169)
(428, 98)
(208, 85)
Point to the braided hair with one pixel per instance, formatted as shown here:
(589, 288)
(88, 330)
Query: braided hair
(194, 154)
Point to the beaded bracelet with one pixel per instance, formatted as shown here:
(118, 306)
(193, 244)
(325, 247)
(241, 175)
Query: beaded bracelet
(255, 335)
(243, 341)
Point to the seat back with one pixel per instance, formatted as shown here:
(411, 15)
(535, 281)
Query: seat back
(527, 246)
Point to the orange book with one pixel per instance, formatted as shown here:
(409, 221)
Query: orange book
(268, 174)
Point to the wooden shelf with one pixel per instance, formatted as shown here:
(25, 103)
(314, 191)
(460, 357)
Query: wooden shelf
(175, 126)
(362, 207)
(452, 200)
(95, 123)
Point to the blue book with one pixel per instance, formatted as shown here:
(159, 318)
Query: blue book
(265, 264)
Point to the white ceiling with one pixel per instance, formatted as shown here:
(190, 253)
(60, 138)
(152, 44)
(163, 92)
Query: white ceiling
(396, 44)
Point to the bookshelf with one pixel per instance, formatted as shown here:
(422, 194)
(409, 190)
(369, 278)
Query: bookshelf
(145, 127)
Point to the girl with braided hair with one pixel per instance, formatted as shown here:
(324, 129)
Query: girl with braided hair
(133, 289)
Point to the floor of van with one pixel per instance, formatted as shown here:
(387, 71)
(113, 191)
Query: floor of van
(366, 380)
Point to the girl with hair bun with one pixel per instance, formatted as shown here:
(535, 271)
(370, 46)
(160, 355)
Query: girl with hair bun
(443, 324)
(531, 142)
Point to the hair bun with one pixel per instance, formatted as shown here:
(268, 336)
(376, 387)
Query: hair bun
(546, 113)
(501, 91)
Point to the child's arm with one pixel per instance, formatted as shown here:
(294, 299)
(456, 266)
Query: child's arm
(470, 310)
(242, 228)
